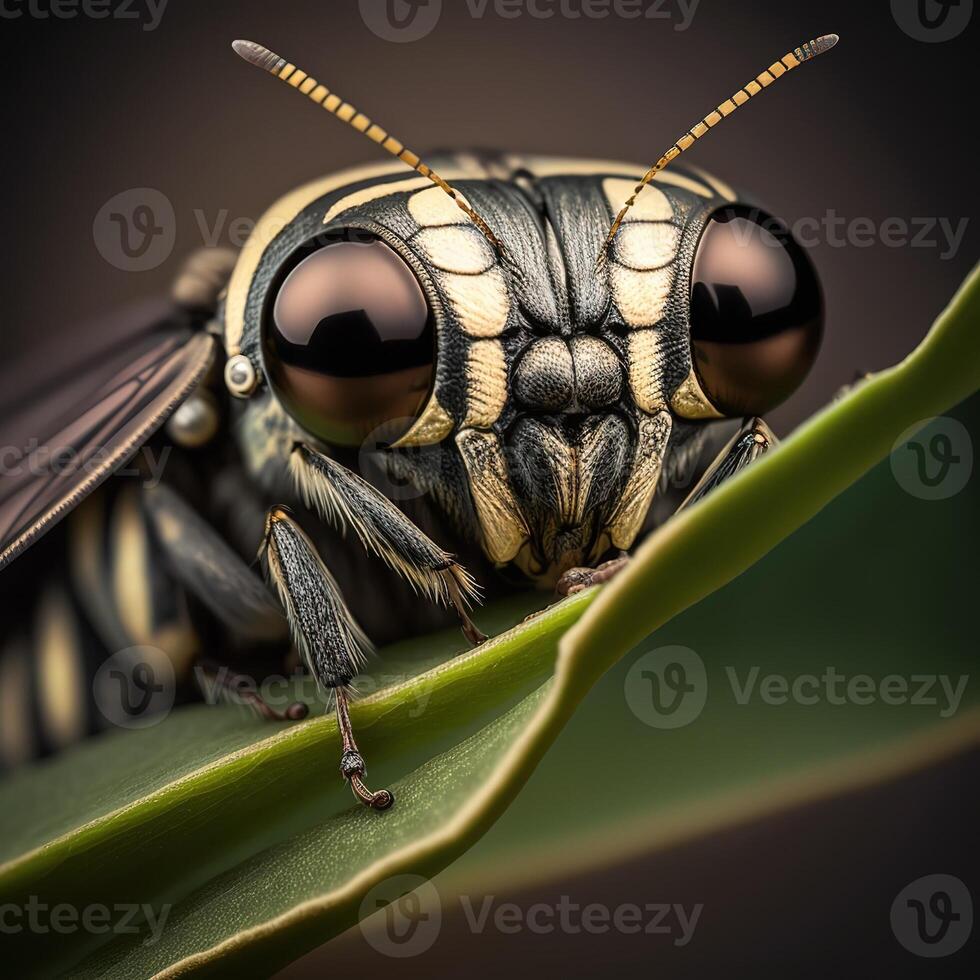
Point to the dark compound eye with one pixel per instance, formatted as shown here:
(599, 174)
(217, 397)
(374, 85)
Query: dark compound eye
(756, 312)
(350, 342)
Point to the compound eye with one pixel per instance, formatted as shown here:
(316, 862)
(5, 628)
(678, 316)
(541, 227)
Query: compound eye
(350, 343)
(756, 312)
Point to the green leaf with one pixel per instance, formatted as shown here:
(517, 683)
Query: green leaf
(250, 834)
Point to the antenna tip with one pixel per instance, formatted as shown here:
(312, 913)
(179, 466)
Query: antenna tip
(825, 43)
(258, 55)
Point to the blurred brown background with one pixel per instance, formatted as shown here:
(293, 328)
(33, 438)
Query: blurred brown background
(876, 131)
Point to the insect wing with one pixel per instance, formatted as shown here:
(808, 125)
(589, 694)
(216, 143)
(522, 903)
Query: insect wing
(68, 431)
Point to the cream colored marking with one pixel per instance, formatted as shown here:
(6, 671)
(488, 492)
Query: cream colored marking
(481, 303)
(178, 644)
(62, 692)
(690, 401)
(456, 248)
(647, 245)
(641, 296)
(646, 365)
(86, 531)
(642, 484)
(486, 383)
(16, 725)
(432, 426)
(129, 553)
(269, 225)
(649, 206)
(379, 191)
(432, 207)
(501, 521)
(374, 193)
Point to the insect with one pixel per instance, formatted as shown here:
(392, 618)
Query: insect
(408, 379)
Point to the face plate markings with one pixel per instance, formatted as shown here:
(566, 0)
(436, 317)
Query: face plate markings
(690, 402)
(654, 432)
(646, 369)
(457, 249)
(642, 260)
(503, 526)
(464, 265)
(486, 383)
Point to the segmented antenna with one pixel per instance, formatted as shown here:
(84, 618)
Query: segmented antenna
(262, 57)
(805, 52)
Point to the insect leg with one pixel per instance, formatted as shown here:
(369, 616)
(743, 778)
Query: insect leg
(331, 642)
(346, 500)
(211, 571)
(238, 689)
(753, 440)
(577, 579)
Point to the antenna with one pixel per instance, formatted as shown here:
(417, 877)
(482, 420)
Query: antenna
(798, 56)
(262, 57)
